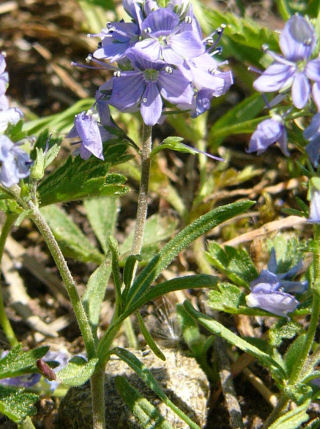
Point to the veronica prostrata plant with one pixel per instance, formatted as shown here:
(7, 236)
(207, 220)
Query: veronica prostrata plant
(160, 62)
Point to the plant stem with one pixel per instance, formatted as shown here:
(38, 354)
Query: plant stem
(315, 313)
(143, 191)
(67, 278)
(4, 321)
(97, 395)
(302, 359)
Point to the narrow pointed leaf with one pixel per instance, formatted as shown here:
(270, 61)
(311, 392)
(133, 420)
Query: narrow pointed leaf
(218, 329)
(102, 213)
(197, 228)
(73, 242)
(147, 414)
(149, 340)
(293, 419)
(151, 382)
(95, 291)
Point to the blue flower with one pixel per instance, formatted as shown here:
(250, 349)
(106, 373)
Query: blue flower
(168, 40)
(272, 291)
(207, 80)
(91, 135)
(268, 132)
(117, 38)
(312, 133)
(314, 214)
(15, 162)
(4, 78)
(144, 87)
(297, 42)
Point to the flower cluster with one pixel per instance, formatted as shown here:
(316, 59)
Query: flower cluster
(157, 57)
(272, 291)
(15, 163)
(296, 70)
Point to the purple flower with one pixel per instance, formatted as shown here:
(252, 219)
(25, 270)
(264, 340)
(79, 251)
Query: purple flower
(207, 80)
(10, 115)
(27, 380)
(297, 42)
(312, 133)
(15, 162)
(271, 291)
(314, 214)
(90, 134)
(268, 132)
(144, 87)
(168, 40)
(4, 78)
(117, 38)
(265, 294)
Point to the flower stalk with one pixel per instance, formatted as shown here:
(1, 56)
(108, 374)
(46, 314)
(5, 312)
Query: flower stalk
(143, 191)
(4, 321)
(67, 278)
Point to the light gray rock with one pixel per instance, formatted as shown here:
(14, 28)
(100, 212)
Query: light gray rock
(181, 379)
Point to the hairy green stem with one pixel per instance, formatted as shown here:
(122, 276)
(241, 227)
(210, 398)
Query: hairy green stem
(97, 396)
(277, 411)
(302, 361)
(315, 313)
(4, 321)
(67, 278)
(143, 191)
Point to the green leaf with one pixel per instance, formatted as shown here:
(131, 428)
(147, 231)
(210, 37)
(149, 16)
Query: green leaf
(94, 294)
(77, 178)
(293, 419)
(149, 340)
(158, 228)
(16, 404)
(102, 213)
(293, 353)
(243, 38)
(174, 143)
(283, 330)
(197, 228)
(228, 298)
(18, 362)
(117, 279)
(77, 372)
(60, 122)
(71, 239)
(147, 414)
(179, 283)
(238, 120)
(129, 269)
(284, 9)
(151, 382)
(191, 333)
(218, 329)
(236, 264)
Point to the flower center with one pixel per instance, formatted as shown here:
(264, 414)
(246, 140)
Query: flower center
(151, 75)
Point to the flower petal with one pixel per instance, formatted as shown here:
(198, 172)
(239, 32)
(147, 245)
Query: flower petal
(274, 78)
(161, 22)
(297, 39)
(175, 87)
(127, 90)
(300, 90)
(313, 70)
(151, 104)
(316, 94)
